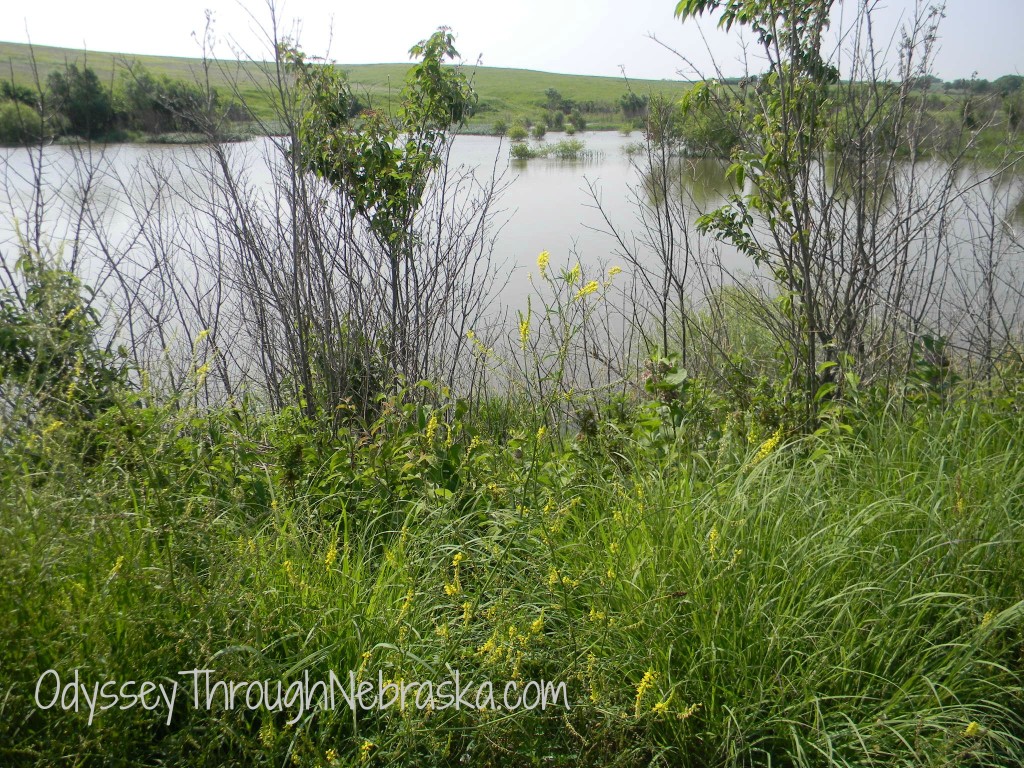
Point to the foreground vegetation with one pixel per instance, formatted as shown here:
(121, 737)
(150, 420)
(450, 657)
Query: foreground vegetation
(713, 588)
(775, 520)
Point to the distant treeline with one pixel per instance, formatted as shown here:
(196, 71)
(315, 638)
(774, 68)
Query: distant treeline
(75, 102)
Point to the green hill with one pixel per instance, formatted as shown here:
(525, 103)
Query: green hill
(504, 93)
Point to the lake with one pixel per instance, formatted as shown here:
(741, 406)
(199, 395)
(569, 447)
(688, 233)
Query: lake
(142, 197)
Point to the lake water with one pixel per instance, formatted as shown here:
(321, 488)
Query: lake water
(547, 205)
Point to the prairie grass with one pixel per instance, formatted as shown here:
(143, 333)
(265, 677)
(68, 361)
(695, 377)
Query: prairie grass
(817, 601)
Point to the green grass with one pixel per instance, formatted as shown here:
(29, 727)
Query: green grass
(831, 601)
(504, 93)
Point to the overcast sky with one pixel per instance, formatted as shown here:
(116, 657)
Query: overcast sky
(594, 37)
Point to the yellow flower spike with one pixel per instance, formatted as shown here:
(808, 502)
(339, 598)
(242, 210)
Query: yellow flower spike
(117, 567)
(646, 683)
(202, 372)
(972, 729)
(586, 290)
(690, 711)
(537, 626)
(365, 750)
(267, 735)
(542, 262)
(331, 556)
(452, 589)
(331, 756)
(767, 447)
(661, 708)
(613, 271)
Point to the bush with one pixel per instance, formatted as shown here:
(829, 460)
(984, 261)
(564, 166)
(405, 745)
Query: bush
(523, 151)
(539, 130)
(50, 361)
(500, 128)
(83, 100)
(19, 123)
(518, 132)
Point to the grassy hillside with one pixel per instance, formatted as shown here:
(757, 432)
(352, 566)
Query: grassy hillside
(504, 93)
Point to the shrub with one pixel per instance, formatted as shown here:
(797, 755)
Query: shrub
(518, 132)
(83, 100)
(19, 123)
(523, 151)
(539, 130)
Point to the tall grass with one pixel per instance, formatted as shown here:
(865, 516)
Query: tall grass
(822, 601)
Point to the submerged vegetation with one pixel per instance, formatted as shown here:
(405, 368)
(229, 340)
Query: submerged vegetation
(765, 519)
(566, 149)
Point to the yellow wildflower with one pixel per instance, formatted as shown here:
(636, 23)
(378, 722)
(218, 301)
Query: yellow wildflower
(431, 428)
(768, 446)
(117, 567)
(541, 431)
(972, 729)
(690, 711)
(613, 271)
(267, 734)
(586, 290)
(542, 262)
(537, 626)
(331, 755)
(459, 557)
(553, 577)
(713, 542)
(661, 708)
(574, 275)
(365, 750)
(646, 683)
(53, 427)
(331, 556)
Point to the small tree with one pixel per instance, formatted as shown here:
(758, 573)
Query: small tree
(384, 163)
(82, 99)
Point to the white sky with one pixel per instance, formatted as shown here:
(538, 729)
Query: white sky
(593, 37)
